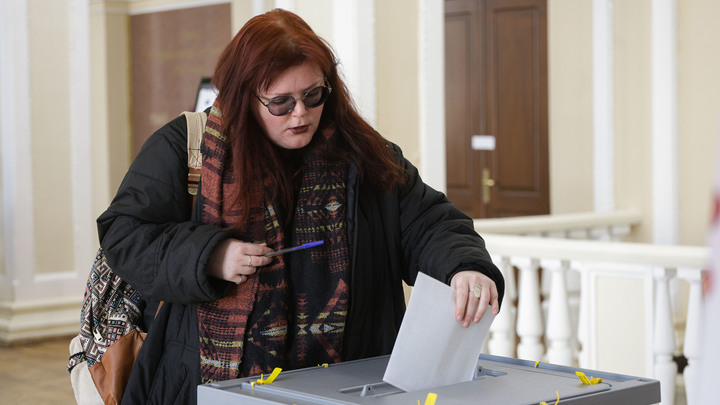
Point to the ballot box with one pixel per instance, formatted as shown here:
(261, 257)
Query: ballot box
(500, 380)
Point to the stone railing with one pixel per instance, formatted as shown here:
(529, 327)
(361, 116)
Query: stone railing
(584, 225)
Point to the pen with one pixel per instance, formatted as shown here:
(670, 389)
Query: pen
(292, 249)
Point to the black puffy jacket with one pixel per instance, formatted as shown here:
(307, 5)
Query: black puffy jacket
(150, 242)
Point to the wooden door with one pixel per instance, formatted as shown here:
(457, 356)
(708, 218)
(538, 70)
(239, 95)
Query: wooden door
(496, 107)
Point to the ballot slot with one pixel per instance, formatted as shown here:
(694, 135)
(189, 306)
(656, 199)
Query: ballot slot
(482, 372)
(378, 389)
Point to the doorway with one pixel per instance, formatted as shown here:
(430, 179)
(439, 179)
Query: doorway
(496, 101)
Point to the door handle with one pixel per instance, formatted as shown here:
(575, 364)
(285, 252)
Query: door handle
(487, 182)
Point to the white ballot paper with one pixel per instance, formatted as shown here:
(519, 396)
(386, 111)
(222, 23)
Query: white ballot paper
(432, 348)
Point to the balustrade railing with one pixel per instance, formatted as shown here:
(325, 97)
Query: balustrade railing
(583, 225)
(551, 319)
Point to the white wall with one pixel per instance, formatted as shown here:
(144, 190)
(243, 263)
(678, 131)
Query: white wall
(699, 114)
(570, 84)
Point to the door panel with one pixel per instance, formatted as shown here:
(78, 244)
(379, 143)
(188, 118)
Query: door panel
(463, 94)
(517, 114)
(460, 116)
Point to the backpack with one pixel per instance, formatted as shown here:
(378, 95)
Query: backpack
(103, 353)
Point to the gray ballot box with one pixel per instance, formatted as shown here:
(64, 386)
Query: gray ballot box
(500, 380)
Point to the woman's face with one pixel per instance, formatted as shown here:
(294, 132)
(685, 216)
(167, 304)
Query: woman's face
(296, 129)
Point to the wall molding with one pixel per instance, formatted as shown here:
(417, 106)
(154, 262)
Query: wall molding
(135, 7)
(591, 310)
(39, 318)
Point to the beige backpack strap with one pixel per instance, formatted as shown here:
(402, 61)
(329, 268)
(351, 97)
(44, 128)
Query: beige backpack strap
(195, 128)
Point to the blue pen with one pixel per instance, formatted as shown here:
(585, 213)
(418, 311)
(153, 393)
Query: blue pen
(292, 249)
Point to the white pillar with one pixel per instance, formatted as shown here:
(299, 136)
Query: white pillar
(15, 141)
(431, 78)
(603, 105)
(288, 5)
(85, 232)
(36, 303)
(664, 84)
(258, 7)
(354, 43)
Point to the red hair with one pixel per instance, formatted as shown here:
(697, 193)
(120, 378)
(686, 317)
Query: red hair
(265, 47)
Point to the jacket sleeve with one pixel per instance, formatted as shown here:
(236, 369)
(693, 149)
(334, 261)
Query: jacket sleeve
(147, 234)
(437, 238)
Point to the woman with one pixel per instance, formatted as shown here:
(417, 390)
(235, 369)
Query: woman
(286, 160)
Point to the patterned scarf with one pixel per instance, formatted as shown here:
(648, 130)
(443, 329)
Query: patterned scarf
(290, 313)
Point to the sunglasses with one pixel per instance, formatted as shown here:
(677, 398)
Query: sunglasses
(283, 105)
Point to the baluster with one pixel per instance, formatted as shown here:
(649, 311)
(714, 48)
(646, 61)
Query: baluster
(529, 322)
(579, 234)
(572, 281)
(558, 323)
(663, 336)
(601, 233)
(583, 332)
(502, 330)
(619, 230)
(485, 349)
(692, 347)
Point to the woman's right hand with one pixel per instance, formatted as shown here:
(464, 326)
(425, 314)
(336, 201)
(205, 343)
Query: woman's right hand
(234, 260)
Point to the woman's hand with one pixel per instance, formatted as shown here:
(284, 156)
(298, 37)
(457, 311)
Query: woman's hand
(234, 260)
(473, 292)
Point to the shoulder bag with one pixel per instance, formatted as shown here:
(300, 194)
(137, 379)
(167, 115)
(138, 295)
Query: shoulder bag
(103, 353)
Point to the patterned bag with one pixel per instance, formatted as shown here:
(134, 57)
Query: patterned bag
(103, 353)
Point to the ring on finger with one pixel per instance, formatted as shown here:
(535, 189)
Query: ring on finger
(249, 261)
(476, 290)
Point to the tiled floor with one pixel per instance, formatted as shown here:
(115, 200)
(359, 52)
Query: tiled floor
(35, 373)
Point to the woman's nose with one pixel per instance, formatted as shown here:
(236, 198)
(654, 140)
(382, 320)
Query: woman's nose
(299, 109)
